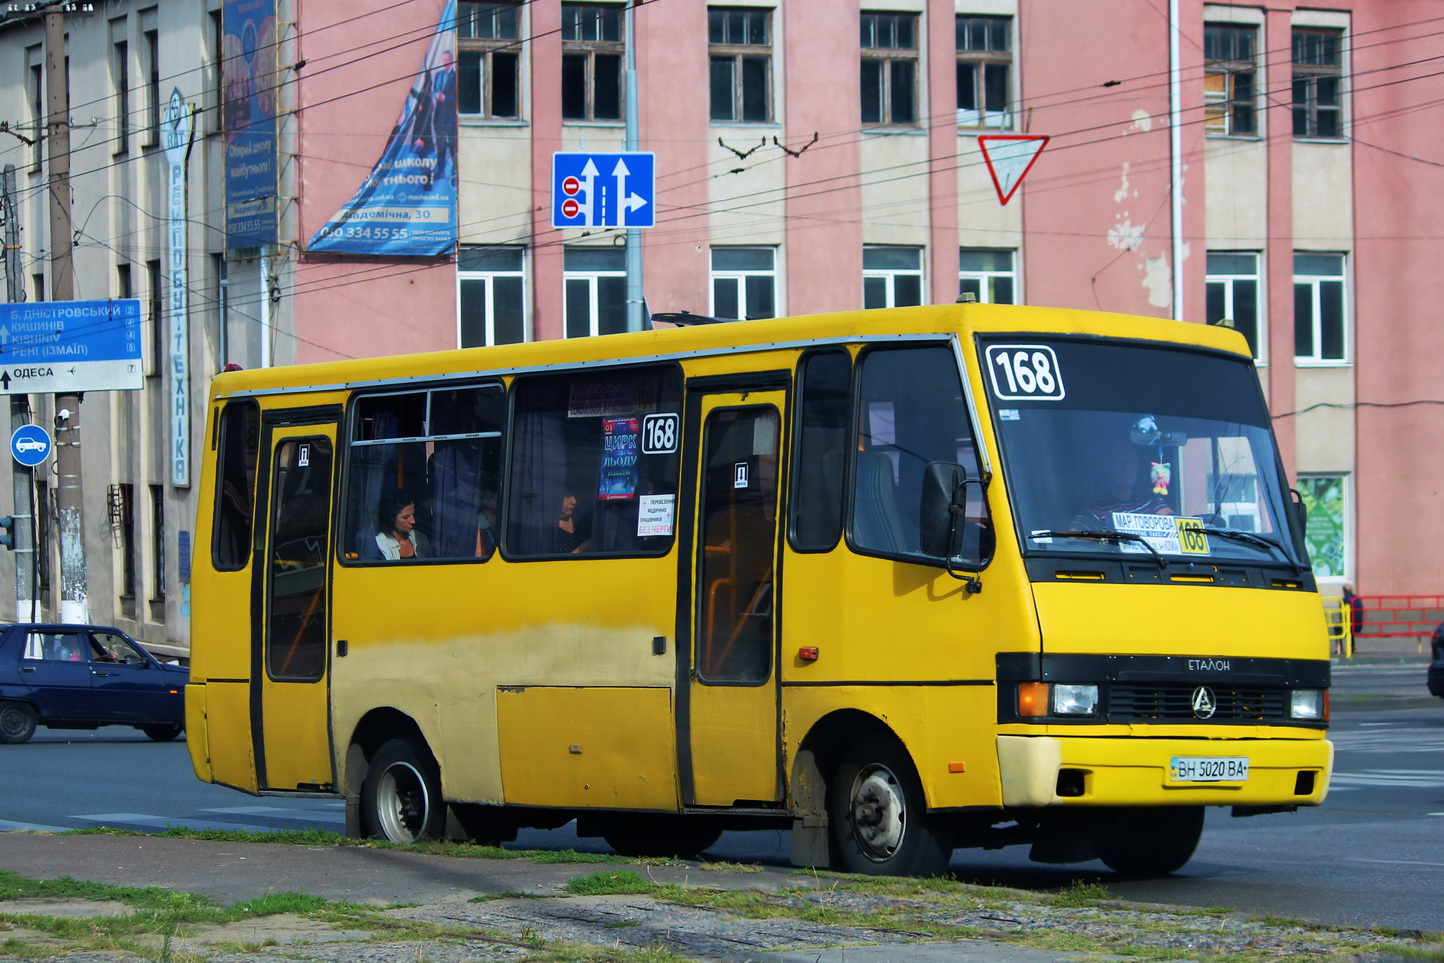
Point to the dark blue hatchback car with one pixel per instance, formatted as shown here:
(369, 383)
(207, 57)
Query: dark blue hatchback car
(82, 677)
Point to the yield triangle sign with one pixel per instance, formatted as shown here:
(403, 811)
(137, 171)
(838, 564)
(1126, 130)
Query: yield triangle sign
(1009, 158)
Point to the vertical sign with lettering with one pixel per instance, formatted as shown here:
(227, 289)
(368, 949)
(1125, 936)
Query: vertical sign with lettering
(176, 136)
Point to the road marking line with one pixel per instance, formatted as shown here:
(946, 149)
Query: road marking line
(1390, 862)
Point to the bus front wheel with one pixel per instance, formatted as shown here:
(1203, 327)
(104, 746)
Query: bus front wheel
(401, 796)
(1150, 842)
(880, 823)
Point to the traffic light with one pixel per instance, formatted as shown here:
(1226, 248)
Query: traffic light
(7, 531)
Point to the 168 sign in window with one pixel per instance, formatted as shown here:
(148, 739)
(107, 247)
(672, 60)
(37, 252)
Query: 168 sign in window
(1024, 371)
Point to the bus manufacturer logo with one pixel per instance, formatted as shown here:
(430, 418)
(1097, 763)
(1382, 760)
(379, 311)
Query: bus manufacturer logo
(1205, 703)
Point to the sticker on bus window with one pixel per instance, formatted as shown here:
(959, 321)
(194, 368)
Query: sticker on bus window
(655, 514)
(1192, 539)
(1024, 372)
(1157, 530)
(661, 433)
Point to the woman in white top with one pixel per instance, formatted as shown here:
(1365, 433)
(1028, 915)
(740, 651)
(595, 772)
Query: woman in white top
(396, 534)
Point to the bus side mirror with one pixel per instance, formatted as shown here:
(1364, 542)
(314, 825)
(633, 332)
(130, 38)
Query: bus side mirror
(940, 514)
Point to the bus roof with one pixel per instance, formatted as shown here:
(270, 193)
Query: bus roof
(671, 342)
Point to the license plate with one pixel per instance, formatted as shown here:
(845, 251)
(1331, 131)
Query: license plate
(1208, 769)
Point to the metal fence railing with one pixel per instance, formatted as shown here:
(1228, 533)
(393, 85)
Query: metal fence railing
(1384, 616)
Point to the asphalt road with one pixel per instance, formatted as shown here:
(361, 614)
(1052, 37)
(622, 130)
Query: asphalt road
(1373, 854)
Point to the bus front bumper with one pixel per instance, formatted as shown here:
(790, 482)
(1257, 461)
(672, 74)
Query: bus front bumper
(1051, 771)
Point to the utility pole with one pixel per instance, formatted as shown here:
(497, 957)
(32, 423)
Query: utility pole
(636, 316)
(69, 501)
(23, 484)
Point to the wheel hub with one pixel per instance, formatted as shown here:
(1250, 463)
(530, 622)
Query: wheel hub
(878, 812)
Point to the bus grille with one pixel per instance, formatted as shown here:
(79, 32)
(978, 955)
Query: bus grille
(1249, 703)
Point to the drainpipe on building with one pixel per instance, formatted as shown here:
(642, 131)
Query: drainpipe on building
(1175, 148)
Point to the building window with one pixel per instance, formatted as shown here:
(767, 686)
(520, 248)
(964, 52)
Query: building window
(492, 295)
(892, 277)
(985, 62)
(120, 73)
(488, 67)
(1231, 294)
(1320, 320)
(155, 317)
(216, 78)
(987, 275)
(152, 87)
(1327, 530)
(592, 52)
(740, 47)
(157, 543)
(889, 69)
(744, 283)
(1230, 65)
(1318, 83)
(125, 494)
(594, 283)
(35, 89)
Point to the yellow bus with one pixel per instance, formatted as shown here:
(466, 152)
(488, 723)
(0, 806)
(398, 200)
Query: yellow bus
(897, 581)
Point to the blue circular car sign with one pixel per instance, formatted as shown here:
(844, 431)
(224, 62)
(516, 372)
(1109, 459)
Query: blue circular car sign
(30, 445)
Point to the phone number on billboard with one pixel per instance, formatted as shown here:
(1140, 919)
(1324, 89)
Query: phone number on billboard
(368, 233)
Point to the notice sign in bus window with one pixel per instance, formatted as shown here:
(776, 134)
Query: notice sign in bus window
(620, 441)
(655, 514)
(1024, 372)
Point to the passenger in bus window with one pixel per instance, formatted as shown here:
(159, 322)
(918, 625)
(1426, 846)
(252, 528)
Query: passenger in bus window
(570, 538)
(1116, 488)
(396, 534)
(486, 527)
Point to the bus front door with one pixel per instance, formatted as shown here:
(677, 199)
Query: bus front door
(728, 702)
(290, 718)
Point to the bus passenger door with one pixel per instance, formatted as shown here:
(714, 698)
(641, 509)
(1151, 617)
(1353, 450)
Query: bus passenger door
(728, 696)
(290, 717)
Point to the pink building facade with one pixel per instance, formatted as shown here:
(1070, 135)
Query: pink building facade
(1275, 167)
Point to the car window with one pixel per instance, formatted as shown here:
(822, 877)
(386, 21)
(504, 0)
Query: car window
(57, 647)
(116, 648)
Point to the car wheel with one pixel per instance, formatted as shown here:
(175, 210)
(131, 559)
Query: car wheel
(401, 795)
(17, 722)
(880, 823)
(1150, 842)
(161, 733)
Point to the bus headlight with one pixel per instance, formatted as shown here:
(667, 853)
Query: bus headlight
(1074, 700)
(1309, 704)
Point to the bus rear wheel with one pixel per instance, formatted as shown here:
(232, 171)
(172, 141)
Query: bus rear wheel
(401, 795)
(880, 824)
(1150, 842)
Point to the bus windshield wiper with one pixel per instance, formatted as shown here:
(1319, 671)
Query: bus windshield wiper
(1105, 535)
(1252, 539)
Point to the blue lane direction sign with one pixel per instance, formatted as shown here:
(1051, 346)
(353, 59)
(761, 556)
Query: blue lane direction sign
(604, 190)
(30, 444)
(65, 346)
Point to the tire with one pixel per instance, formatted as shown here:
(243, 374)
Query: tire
(161, 733)
(17, 722)
(1150, 842)
(662, 837)
(879, 820)
(401, 795)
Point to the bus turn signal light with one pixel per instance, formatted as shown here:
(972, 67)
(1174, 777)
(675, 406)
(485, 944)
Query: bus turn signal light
(808, 653)
(1032, 699)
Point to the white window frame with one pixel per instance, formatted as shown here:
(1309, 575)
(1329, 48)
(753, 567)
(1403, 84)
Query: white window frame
(489, 305)
(592, 278)
(890, 276)
(739, 277)
(1315, 282)
(1228, 280)
(986, 279)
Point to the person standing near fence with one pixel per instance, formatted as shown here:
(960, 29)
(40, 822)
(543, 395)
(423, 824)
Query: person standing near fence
(1356, 610)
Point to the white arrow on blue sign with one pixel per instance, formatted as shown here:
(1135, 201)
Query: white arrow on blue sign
(30, 444)
(604, 190)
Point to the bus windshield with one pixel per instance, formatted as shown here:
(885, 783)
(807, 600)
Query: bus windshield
(1129, 447)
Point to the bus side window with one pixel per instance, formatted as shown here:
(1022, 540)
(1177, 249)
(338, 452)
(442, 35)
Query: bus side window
(911, 412)
(239, 441)
(822, 416)
(593, 463)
